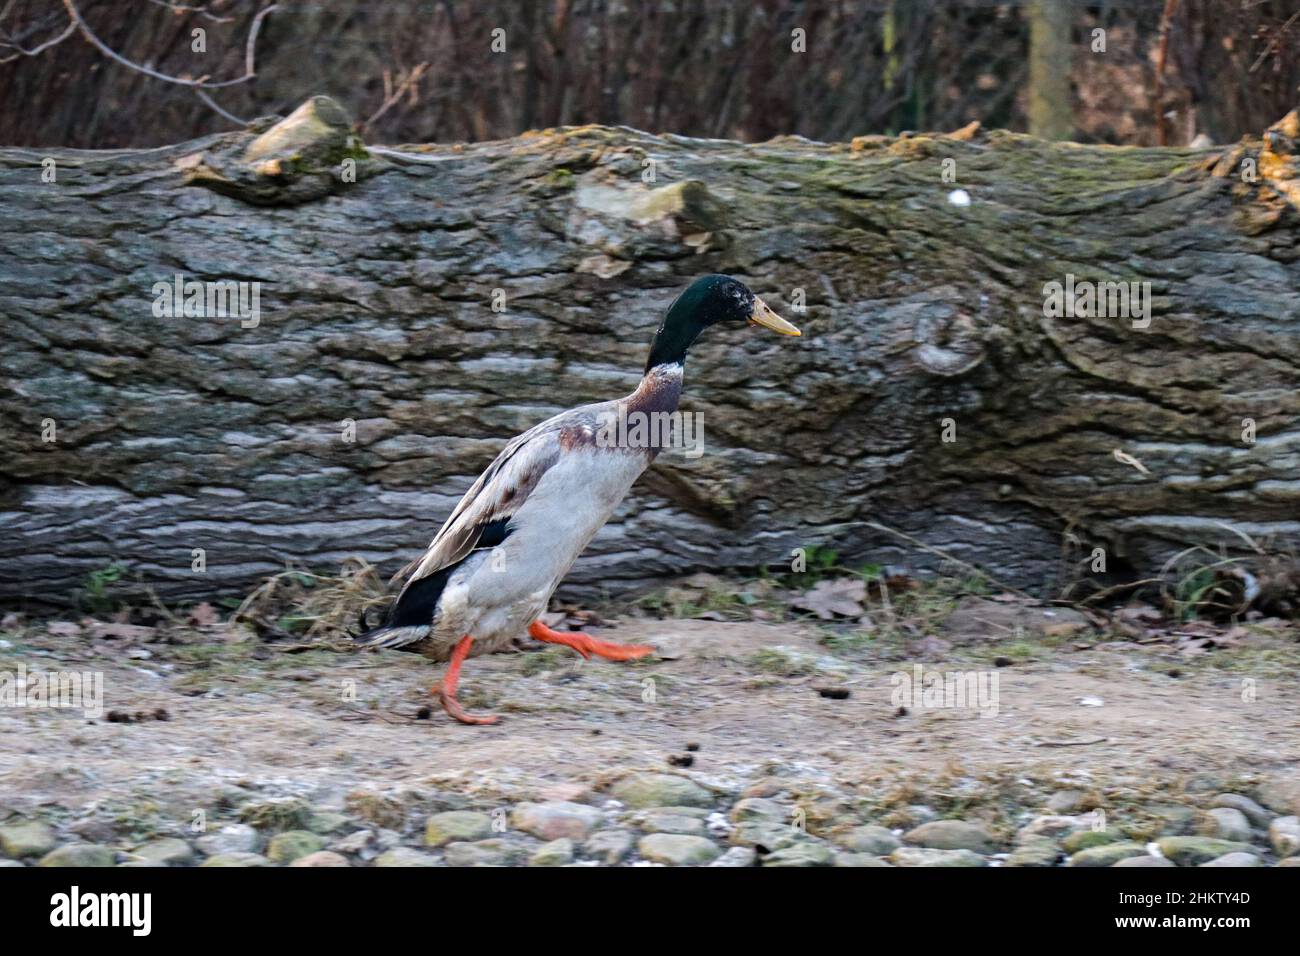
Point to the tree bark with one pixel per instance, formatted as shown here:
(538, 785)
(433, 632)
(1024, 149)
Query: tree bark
(924, 319)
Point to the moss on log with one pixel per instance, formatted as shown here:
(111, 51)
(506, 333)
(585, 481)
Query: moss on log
(924, 320)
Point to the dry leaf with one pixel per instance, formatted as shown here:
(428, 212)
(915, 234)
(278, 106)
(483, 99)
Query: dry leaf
(828, 599)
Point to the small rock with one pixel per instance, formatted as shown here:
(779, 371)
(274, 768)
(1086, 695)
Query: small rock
(405, 856)
(1281, 792)
(29, 838)
(292, 844)
(1226, 823)
(554, 821)
(666, 821)
(456, 826)
(676, 849)
(767, 837)
(325, 822)
(759, 808)
(1053, 826)
(167, 852)
(951, 835)
(645, 790)
(1036, 851)
(1193, 850)
(609, 846)
(1087, 839)
(737, 856)
(1143, 861)
(482, 853)
(79, 854)
(321, 858)
(5, 864)
(872, 840)
(1284, 836)
(1289, 861)
(802, 854)
(556, 853)
(232, 838)
(1235, 859)
(1176, 819)
(1107, 855)
(859, 860)
(236, 859)
(930, 856)
(354, 842)
(1066, 801)
(1257, 815)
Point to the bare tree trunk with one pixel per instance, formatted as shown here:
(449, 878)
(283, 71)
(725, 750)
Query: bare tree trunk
(140, 438)
(1050, 52)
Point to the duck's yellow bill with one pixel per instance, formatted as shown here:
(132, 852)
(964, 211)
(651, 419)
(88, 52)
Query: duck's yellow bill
(764, 316)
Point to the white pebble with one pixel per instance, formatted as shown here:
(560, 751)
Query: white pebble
(959, 197)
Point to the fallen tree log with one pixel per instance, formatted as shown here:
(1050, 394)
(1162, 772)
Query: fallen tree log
(444, 298)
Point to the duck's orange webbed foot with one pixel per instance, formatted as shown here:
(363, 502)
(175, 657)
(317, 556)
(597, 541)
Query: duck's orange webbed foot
(586, 645)
(445, 689)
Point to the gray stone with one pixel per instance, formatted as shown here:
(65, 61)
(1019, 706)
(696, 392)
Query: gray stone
(556, 853)
(557, 820)
(232, 838)
(1235, 859)
(321, 858)
(456, 826)
(29, 838)
(802, 854)
(609, 846)
(327, 822)
(737, 856)
(236, 859)
(759, 808)
(357, 842)
(872, 840)
(1037, 851)
(1281, 792)
(1087, 839)
(81, 855)
(930, 856)
(859, 860)
(1227, 823)
(1257, 815)
(404, 856)
(666, 821)
(951, 835)
(1053, 825)
(1107, 855)
(288, 846)
(166, 852)
(1192, 850)
(676, 849)
(5, 864)
(482, 853)
(1284, 836)
(1066, 801)
(767, 836)
(1145, 862)
(1176, 819)
(645, 790)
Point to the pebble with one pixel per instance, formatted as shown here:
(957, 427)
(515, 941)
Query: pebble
(759, 808)
(1235, 859)
(767, 836)
(237, 859)
(675, 849)
(1053, 825)
(803, 854)
(1087, 839)
(1257, 815)
(1037, 851)
(1281, 792)
(645, 790)
(1284, 836)
(30, 838)
(556, 853)
(356, 842)
(1066, 801)
(951, 835)
(870, 839)
(609, 846)
(737, 856)
(483, 853)
(166, 852)
(290, 845)
(1193, 850)
(1146, 862)
(405, 856)
(232, 838)
(930, 856)
(1227, 823)
(859, 860)
(321, 858)
(1107, 855)
(553, 821)
(79, 854)
(456, 826)
(667, 821)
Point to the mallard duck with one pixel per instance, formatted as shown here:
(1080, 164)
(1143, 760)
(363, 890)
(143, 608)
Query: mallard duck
(491, 569)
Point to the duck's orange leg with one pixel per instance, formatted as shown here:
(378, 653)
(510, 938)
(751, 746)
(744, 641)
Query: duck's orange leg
(445, 689)
(586, 645)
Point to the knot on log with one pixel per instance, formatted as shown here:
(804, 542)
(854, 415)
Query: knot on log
(948, 342)
(632, 222)
(309, 154)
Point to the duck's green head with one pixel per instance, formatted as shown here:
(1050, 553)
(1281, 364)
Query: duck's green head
(707, 301)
